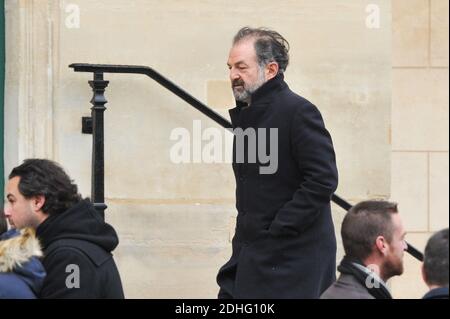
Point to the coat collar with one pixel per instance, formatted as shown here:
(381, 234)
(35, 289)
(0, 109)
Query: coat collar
(437, 293)
(261, 96)
(265, 92)
(356, 268)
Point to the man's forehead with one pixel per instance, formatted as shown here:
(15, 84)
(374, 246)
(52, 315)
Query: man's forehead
(12, 184)
(242, 51)
(397, 222)
(237, 62)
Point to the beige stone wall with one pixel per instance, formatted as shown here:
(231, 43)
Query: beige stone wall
(419, 126)
(175, 221)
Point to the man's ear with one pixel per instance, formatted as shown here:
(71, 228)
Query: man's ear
(271, 70)
(381, 245)
(38, 202)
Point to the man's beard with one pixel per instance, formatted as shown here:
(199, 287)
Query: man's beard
(245, 91)
(393, 268)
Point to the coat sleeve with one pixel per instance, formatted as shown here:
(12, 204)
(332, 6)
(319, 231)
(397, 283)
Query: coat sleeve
(313, 151)
(70, 274)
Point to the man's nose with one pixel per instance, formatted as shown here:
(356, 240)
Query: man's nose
(7, 211)
(234, 75)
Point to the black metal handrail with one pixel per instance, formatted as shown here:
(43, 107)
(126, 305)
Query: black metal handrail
(94, 125)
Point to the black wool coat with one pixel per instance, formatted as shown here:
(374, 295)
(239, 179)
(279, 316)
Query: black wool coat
(284, 245)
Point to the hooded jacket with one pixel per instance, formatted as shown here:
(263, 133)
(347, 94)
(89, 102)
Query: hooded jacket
(77, 247)
(21, 272)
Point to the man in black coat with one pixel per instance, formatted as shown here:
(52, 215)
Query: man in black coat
(76, 241)
(284, 245)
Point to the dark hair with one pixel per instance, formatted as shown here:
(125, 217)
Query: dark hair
(363, 223)
(46, 178)
(270, 46)
(435, 262)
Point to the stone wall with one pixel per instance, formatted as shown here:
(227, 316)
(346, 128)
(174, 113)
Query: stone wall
(176, 221)
(419, 127)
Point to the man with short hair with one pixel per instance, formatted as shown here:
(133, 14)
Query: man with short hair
(76, 241)
(435, 266)
(374, 242)
(284, 245)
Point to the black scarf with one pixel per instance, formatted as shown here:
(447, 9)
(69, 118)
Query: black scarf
(378, 291)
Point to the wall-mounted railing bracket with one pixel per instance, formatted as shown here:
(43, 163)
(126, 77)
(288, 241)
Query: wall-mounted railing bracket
(86, 125)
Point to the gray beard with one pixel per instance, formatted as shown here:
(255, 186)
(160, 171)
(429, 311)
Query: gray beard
(246, 94)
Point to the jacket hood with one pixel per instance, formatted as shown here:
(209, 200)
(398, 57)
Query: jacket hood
(18, 255)
(82, 222)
